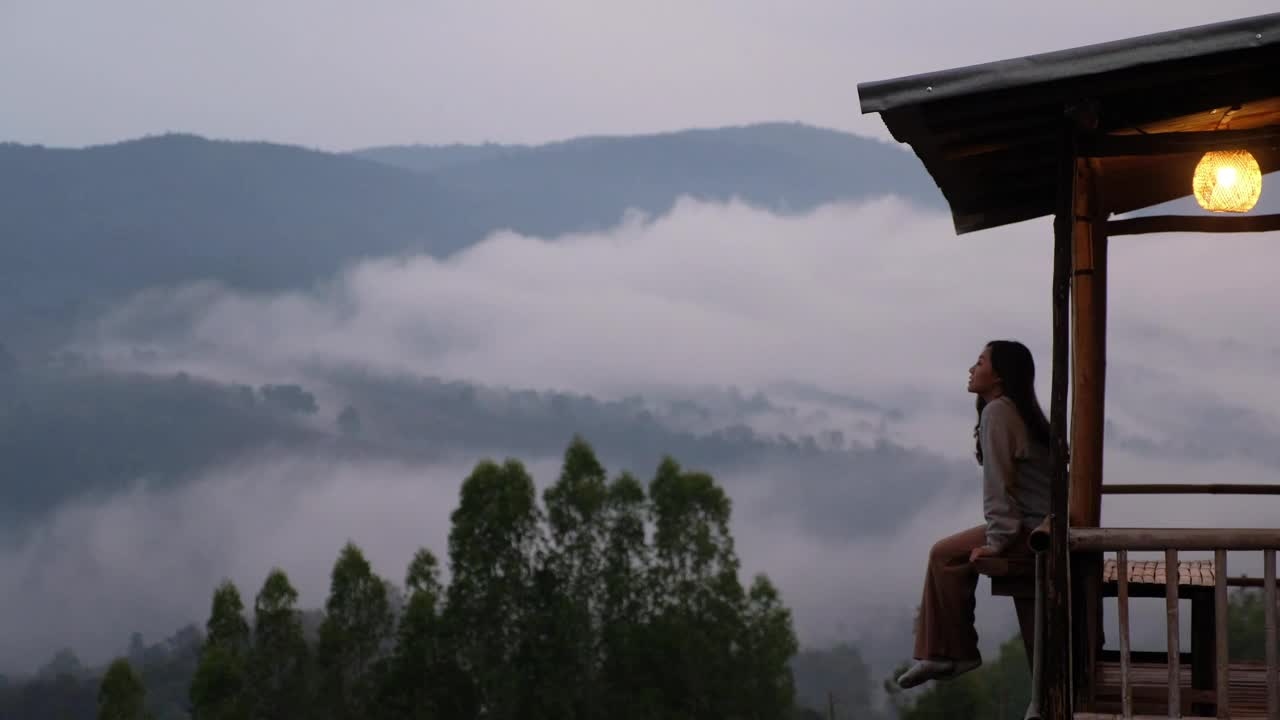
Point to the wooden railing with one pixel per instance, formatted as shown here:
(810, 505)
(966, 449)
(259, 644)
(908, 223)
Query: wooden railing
(1172, 541)
(1189, 489)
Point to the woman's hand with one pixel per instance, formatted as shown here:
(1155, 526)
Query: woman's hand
(982, 551)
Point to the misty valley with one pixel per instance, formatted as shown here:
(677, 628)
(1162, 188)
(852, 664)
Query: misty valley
(617, 426)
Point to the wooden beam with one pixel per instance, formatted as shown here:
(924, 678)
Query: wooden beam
(1100, 145)
(1056, 653)
(1181, 489)
(1194, 223)
(1107, 539)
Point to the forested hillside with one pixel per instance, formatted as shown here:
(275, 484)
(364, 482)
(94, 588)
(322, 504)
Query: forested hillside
(80, 228)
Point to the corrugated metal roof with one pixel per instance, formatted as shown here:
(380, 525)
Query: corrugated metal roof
(990, 135)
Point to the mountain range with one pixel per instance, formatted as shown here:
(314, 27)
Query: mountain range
(81, 228)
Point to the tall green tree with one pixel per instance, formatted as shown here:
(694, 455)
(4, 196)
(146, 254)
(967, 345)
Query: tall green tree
(279, 663)
(414, 685)
(218, 689)
(570, 586)
(764, 654)
(353, 637)
(628, 679)
(699, 617)
(493, 540)
(121, 696)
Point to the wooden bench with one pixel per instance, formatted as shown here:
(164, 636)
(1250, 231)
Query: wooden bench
(1015, 577)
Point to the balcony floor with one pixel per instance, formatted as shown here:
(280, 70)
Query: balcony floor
(1150, 683)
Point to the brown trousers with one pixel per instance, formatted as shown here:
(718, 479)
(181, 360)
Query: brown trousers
(945, 630)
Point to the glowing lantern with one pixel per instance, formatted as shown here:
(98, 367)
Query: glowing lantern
(1227, 181)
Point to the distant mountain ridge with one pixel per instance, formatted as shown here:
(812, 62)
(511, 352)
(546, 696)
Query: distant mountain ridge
(783, 167)
(80, 228)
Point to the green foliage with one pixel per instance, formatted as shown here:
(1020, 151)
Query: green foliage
(627, 606)
(356, 626)
(836, 677)
(575, 612)
(418, 668)
(768, 644)
(492, 548)
(1246, 625)
(121, 695)
(218, 689)
(279, 663)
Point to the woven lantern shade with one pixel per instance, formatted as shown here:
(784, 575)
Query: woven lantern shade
(1227, 181)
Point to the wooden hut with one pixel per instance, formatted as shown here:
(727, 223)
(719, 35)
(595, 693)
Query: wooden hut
(1084, 135)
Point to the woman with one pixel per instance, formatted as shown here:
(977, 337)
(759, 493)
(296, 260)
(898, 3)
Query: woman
(1012, 437)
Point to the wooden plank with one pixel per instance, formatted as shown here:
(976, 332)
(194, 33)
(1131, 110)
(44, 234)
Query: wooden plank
(1193, 223)
(1171, 611)
(1126, 693)
(1186, 489)
(1055, 656)
(1222, 651)
(1098, 145)
(1269, 613)
(1107, 539)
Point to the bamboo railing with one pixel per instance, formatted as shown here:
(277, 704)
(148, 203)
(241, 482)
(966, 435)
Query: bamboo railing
(1172, 541)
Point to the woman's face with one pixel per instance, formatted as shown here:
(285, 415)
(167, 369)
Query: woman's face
(982, 379)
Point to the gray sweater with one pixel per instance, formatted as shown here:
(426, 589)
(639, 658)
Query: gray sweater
(1016, 474)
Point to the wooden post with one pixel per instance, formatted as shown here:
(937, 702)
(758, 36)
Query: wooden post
(1056, 653)
(1088, 345)
(1171, 613)
(1269, 621)
(1088, 376)
(1222, 653)
(1122, 600)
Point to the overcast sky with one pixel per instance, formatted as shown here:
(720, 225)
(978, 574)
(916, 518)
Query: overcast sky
(340, 75)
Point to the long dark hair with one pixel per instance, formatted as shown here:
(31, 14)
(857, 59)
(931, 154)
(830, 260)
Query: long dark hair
(1011, 361)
